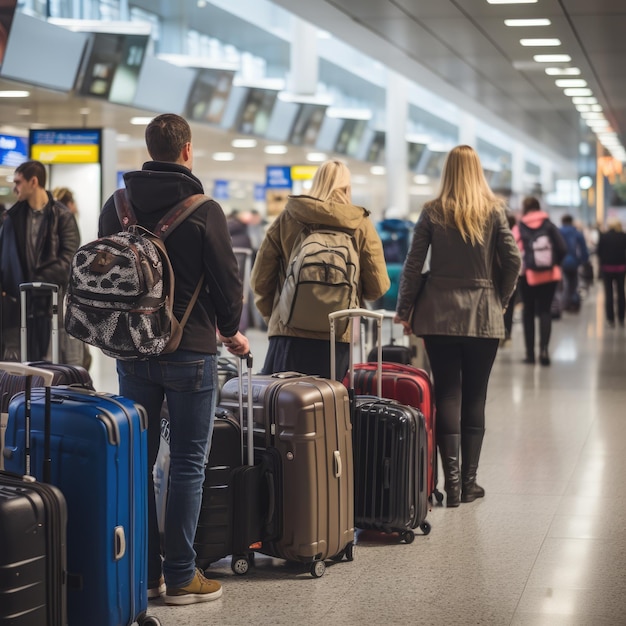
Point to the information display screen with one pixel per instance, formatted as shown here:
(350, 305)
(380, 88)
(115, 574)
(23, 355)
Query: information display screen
(68, 145)
(307, 124)
(255, 113)
(209, 95)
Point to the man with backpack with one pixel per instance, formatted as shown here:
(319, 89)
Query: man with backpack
(577, 254)
(200, 251)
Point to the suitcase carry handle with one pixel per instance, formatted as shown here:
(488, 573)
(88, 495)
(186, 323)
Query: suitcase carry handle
(39, 286)
(250, 407)
(338, 464)
(360, 313)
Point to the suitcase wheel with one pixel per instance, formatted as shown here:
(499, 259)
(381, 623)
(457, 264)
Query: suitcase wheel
(148, 620)
(408, 536)
(425, 527)
(318, 568)
(240, 565)
(348, 552)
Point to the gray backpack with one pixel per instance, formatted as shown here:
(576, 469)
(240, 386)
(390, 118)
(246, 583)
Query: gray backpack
(322, 276)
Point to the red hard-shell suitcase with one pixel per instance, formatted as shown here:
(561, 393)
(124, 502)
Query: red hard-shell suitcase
(390, 450)
(305, 421)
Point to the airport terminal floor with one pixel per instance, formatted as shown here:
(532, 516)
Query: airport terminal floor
(546, 546)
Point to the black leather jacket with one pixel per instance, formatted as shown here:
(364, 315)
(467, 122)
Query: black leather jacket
(58, 241)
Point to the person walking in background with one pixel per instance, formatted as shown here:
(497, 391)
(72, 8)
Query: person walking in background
(66, 197)
(38, 239)
(199, 247)
(328, 206)
(543, 250)
(457, 308)
(612, 260)
(576, 255)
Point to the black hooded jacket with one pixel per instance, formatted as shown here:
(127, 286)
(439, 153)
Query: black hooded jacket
(200, 245)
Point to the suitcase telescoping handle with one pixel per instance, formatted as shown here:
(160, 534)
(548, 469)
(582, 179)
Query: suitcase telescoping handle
(45, 287)
(249, 419)
(47, 457)
(358, 313)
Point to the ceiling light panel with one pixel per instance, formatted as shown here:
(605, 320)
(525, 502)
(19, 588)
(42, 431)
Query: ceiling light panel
(512, 1)
(562, 71)
(552, 58)
(578, 91)
(570, 82)
(540, 42)
(522, 23)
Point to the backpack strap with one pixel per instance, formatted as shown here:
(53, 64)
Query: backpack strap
(124, 209)
(178, 214)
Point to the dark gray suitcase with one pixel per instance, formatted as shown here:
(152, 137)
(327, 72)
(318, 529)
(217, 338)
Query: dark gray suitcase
(390, 453)
(33, 562)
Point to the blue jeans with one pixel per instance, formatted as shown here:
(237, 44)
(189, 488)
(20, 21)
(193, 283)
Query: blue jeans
(189, 382)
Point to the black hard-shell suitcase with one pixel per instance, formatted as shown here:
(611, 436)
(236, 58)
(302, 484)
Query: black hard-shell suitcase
(304, 422)
(62, 374)
(390, 453)
(33, 526)
(235, 491)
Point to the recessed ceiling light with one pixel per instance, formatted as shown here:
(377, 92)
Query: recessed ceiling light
(583, 108)
(360, 179)
(316, 157)
(584, 100)
(243, 143)
(592, 115)
(562, 71)
(14, 94)
(351, 114)
(122, 138)
(570, 82)
(536, 22)
(223, 156)
(84, 110)
(552, 58)
(596, 107)
(421, 179)
(597, 123)
(378, 170)
(540, 42)
(277, 149)
(140, 121)
(577, 91)
(512, 1)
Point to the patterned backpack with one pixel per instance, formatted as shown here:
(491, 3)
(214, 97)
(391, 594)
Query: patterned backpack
(121, 290)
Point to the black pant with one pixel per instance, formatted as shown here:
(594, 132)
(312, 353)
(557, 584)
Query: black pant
(461, 367)
(508, 314)
(617, 279)
(537, 301)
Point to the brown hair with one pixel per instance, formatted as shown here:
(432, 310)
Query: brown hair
(166, 136)
(30, 169)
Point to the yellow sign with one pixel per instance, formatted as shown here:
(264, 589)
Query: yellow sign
(303, 172)
(74, 153)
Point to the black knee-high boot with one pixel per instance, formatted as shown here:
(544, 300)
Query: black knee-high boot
(471, 444)
(449, 450)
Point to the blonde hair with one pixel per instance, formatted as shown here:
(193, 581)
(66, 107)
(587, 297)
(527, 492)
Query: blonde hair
(332, 182)
(614, 223)
(465, 199)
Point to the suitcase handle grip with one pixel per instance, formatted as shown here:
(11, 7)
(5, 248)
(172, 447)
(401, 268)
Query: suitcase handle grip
(338, 464)
(120, 543)
(271, 505)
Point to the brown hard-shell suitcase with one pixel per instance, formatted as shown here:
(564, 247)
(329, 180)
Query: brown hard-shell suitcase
(306, 420)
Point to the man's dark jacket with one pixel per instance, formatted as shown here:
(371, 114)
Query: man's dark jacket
(57, 243)
(201, 245)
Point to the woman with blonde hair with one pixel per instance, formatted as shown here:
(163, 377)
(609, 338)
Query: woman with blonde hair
(612, 258)
(329, 207)
(457, 308)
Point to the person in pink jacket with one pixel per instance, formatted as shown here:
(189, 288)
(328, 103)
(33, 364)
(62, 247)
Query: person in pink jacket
(543, 248)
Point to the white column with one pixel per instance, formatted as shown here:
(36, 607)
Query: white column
(304, 61)
(396, 151)
(518, 168)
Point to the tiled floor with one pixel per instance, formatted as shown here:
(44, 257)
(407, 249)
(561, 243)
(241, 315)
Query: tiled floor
(546, 546)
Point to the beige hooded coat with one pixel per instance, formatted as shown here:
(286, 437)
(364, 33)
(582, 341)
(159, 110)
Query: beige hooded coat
(268, 273)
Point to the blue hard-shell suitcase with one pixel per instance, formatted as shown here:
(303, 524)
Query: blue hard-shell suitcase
(99, 461)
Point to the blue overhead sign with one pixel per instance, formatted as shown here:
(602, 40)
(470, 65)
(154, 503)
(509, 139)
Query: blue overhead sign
(278, 177)
(13, 150)
(220, 190)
